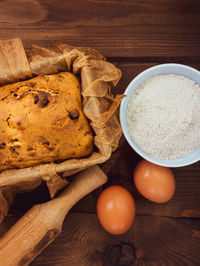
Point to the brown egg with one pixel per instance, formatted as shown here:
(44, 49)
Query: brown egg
(155, 183)
(116, 210)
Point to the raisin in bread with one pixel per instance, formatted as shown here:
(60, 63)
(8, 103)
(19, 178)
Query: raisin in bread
(42, 121)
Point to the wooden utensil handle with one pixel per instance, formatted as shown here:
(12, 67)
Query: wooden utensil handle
(43, 223)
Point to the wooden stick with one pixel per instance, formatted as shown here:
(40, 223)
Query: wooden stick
(43, 222)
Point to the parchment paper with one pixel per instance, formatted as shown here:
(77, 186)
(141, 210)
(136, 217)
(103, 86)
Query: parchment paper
(100, 107)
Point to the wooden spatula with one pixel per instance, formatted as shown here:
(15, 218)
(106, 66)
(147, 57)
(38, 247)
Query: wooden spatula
(43, 222)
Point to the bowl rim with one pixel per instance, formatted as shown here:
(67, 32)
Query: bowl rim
(179, 162)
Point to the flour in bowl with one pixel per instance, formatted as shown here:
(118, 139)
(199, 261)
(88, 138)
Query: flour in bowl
(163, 116)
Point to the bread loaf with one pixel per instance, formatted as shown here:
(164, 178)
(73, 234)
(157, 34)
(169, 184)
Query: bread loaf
(42, 121)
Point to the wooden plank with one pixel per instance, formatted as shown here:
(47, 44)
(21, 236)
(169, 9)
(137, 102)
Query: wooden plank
(115, 28)
(131, 69)
(151, 241)
(135, 31)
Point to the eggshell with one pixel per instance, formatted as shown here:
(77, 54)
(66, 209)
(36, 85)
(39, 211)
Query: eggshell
(155, 183)
(116, 210)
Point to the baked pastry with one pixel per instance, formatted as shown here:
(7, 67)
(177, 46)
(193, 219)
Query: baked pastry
(42, 121)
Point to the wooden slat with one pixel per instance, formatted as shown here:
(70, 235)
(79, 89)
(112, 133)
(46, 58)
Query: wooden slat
(131, 69)
(135, 35)
(151, 241)
(116, 28)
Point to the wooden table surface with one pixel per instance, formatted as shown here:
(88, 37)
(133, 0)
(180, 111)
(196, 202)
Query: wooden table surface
(134, 35)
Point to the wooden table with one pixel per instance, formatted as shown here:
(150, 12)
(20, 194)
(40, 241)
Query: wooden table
(134, 35)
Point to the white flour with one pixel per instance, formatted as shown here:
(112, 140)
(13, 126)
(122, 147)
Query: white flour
(163, 116)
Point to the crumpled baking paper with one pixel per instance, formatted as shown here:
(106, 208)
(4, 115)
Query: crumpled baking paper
(97, 77)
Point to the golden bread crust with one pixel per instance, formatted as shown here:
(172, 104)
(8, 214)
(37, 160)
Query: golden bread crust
(42, 121)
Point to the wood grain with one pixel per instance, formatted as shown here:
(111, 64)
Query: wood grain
(116, 28)
(43, 223)
(151, 241)
(131, 69)
(134, 35)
